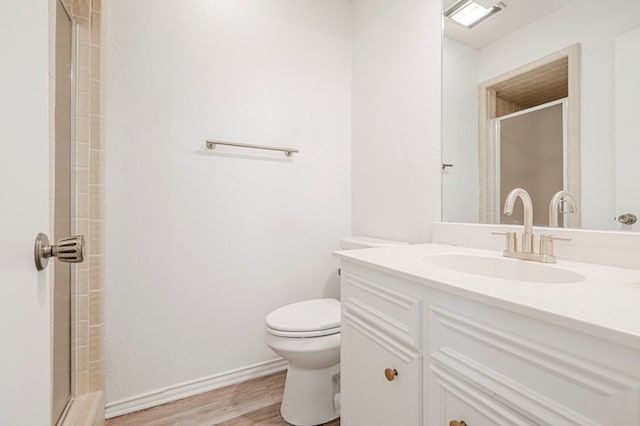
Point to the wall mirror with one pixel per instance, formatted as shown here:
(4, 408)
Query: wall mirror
(542, 94)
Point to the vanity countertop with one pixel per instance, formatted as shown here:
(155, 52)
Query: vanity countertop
(606, 304)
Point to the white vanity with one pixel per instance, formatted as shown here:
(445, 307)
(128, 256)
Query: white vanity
(441, 335)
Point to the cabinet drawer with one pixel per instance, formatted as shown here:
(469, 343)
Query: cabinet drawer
(369, 397)
(392, 311)
(476, 410)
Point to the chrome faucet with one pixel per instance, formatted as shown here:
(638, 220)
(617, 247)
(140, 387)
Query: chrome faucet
(555, 207)
(528, 239)
(527, 236)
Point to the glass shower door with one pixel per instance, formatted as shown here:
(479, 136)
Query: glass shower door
(531, 146)
(64, 202)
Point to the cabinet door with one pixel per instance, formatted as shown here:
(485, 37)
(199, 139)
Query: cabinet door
(368, 396)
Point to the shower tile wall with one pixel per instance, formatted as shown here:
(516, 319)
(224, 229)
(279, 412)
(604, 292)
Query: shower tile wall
(88, 329)
(504, 107)
(88, 15)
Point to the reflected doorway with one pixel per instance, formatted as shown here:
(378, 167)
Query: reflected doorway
(552, 78)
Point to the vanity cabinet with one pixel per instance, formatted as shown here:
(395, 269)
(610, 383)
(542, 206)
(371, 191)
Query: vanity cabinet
(474, 360)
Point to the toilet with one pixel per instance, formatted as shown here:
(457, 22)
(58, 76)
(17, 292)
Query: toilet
(307, 335)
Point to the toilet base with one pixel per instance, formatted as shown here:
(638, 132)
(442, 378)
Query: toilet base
(308, 398)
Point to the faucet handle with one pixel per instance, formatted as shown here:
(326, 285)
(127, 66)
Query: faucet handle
(511, 243)
(546, 244)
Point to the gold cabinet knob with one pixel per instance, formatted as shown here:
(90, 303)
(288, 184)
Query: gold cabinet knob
(390, 374)
(457, 423)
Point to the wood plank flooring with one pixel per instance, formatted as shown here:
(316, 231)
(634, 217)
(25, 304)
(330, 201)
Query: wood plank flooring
(256, 402)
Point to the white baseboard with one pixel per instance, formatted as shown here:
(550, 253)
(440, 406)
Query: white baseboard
(194, 387)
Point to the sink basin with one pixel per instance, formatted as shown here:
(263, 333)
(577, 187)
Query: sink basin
(505, 269)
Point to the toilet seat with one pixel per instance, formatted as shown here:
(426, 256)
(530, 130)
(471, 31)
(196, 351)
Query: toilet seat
(302, 334)
(310, 318)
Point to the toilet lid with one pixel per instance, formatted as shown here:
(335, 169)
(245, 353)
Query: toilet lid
(310, 315)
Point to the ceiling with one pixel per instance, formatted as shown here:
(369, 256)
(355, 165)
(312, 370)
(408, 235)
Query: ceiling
(536, 87)
(517, 14)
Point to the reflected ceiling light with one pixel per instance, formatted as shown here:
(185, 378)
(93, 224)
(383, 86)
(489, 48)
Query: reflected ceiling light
(470, 13)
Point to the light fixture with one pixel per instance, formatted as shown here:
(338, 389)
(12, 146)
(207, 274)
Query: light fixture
(470, 13)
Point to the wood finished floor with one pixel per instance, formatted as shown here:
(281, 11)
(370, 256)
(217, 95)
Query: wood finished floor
(256, 402)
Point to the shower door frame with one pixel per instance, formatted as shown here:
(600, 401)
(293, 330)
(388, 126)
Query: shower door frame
(58, 416)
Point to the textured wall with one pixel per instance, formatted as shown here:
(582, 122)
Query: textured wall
(396, 118)
(202, 245)
(460, 189)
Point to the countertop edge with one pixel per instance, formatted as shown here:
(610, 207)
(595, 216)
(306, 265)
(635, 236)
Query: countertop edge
(600, 331)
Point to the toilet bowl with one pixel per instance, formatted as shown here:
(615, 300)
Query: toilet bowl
(307, 335)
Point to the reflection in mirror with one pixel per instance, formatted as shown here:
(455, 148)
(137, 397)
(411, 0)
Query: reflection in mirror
(529, 154)
(575, 61)
(529, 135)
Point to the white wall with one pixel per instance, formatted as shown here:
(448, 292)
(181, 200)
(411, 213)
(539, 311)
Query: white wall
(202, 245)
(396, 118)
(594, 25)
(460, 188)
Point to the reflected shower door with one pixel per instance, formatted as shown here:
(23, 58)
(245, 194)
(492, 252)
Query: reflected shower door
(531, 155)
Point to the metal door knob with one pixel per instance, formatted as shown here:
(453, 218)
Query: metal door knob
(457, 423)
(68, 250)
(627, 218)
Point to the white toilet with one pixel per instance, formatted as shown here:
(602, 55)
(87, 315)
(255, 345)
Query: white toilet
(307, 334)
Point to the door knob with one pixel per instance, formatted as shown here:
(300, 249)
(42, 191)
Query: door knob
(68, 250)
(627, 218)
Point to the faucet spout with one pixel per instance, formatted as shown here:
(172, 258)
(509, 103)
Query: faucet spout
(554, 205)
(527, 236)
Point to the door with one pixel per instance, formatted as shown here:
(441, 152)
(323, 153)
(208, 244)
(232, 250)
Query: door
(381, 379)
(627, 127)
(25, 358)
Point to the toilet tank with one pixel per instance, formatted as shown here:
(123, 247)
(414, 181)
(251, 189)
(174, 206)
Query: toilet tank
(367, 242)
